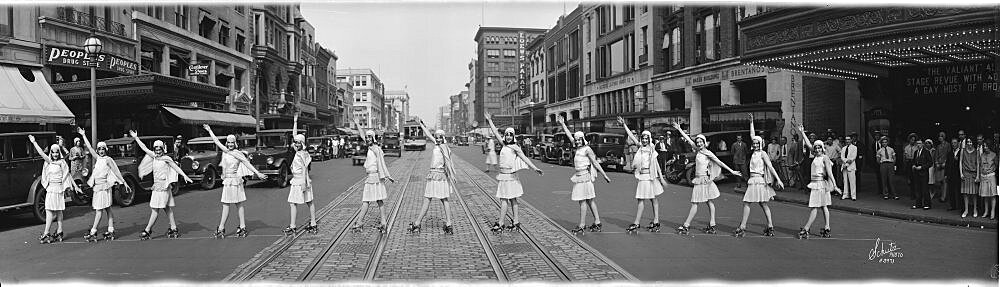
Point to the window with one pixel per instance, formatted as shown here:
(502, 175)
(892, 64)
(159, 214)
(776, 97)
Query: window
(509, 53)
(676, 47)
(619, 13)
(489, 81)
(224, 35)
(642, 43)
(238, 75)
(552, 56)
(616, 58)
(710, 24)
(586, 67)
(240, 41)
(206, 27)
(240, 9)
(492, 54)
(155, 12)
(180, 17)
(574, 45)
(492, 66)
(152, 57)
(510, 67)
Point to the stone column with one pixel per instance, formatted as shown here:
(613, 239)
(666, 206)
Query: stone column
(211, 72)
(192, 60)
(730, 93)
(695, 99)
(165, 60)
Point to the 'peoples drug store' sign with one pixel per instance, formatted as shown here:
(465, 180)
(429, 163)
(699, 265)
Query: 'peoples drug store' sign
(79, 58)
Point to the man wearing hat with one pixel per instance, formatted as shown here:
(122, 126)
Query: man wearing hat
(921, 163)
(180, 147)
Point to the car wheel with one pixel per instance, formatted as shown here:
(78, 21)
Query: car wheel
(176, 187)
(122, 198)
(690, 176)
(209, 179)
(284, 177)
(38, 209)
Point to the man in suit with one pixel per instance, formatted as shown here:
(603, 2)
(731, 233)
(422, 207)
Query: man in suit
(790, 160)
(849, 156)
(662, 154)
(953, 176)
(909, 151)
(886, 158)
(739, 150)
(922, 161)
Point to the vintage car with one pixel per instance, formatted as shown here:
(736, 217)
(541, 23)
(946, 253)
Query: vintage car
(560, 151)
(461, 140)
(714, 139)
(540, 145)
(247, 143)
(127, 156)
(609, 149)
(273, 155)
(390, 145)
(320, 148)
(202, 163)
(20, 170)
(359, 151)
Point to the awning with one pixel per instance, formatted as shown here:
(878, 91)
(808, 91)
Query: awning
(25, 97)
(195, 116)
(348, 131)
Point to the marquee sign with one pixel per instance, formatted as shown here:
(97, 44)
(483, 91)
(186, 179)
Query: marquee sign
(522, 41)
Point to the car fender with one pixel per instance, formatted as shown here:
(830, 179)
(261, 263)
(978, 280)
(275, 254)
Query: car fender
(279, 162)
(35, 187)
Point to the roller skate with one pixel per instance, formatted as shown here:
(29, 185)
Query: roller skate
(414, 228)
(382, 229)
(710, 229)
(596, 227)
(803, 234)
(220, 233)
(496, 228)
(632, 228)
(448, 230)
(289, 230)
(683, 230)
(91, 237)
(739, 232)
(357, 228)
(144, 235)
(577, 230)
(173, 233)
(312, 228)
(825, 233)
(109, 235)
(515, 227)
(242, 232)
(57, 237)
(769, 231)
(653, 227)
(45, 239)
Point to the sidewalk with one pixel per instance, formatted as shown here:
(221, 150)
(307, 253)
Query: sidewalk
(870, 202)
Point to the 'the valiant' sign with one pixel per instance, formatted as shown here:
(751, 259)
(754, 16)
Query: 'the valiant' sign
(75, 57)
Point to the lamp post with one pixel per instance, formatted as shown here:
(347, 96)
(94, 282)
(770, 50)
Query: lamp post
(93, 47)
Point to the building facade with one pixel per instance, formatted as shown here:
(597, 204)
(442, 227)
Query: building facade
(328, 110)
(562, 70)
(369, 99)
(276, 51)
(345, 92)
(533, 108)
(399, 102)
(501, 60)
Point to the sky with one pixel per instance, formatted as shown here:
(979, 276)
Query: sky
(424, 48)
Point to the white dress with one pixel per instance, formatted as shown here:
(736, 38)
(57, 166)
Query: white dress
(644, 162)
(437, 181)
(232, 182)
(301, 190)
(55, 184)
(819, 196)
(102, 179)
(583, 179)
(374, 190)
(758, 189)
(508, 186)
(163, 176)
(704, 183)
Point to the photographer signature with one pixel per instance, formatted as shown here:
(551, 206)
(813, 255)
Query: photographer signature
(883, 248)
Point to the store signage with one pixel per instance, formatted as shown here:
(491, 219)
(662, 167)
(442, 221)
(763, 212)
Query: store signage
(522, 41)
(968, 79)
(619, 82)
(197, 70)
(80, 58)
(739, 72)
(839, 23)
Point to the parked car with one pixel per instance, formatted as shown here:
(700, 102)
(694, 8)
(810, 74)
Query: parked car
(247, 143)
(390, 145)
(461, 140)
(714, 138)
(609, 149)
(560, 151)
(320, 148)
(202, 163)
(127, 155)
(273, 155)
(359, 151)
(20, 172)
(540, 146)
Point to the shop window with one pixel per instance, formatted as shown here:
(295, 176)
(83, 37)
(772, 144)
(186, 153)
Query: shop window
(752, 91)
(676, 99)
(178, 64)
(152, 58)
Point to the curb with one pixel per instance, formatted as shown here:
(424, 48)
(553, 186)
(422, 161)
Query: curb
(897, 215)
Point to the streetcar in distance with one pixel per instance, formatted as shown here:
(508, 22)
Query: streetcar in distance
(413, 136)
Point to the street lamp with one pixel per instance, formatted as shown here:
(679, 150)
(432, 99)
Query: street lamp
(93, 47)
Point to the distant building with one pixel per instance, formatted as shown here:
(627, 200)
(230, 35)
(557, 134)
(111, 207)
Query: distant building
(369, 97)
(501, 60)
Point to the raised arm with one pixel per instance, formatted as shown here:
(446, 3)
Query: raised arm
(361, 131)
(86, 142)
(628, 132)
(215, 139)
(684, 135)
(140, 144)
(805, 138)
(566, 130)
(39, 149)
(427, 132)
(295, 125)
(752, 131)
(493, 128)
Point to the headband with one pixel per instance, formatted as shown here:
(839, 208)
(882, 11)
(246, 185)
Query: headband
(101, 145)
(439, 132)
(55, 147)
(231, 138)
(300, 138)
(370, 133)
(758, 138)
(159, 143)
(509, 131)
(702, 137)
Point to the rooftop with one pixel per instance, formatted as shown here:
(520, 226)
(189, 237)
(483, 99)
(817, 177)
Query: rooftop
(506, 29)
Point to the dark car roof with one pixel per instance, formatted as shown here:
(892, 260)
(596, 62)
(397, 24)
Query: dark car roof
(605, 134)
(26, 133)
(128, 140)
(708, 134)
(246, 137)
(201, 140)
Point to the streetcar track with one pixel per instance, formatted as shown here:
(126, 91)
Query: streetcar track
(290, 240)
(480, 234)
(383, 238)
(316, 264)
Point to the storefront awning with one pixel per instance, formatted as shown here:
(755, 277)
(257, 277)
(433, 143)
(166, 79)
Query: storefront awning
(194, 116)
(25, 97)
(347, 131)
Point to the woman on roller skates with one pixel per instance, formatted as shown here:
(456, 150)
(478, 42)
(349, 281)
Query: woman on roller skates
(647, 172)
(165, 172)
(759, 190)
(56, 179)
(821, 184)
(509, 188)
(374, 189)
(438, 179)
(300, 190)
(706, 167)
(103, 176)
(235, 166)
(585, 163)
(491, 154)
